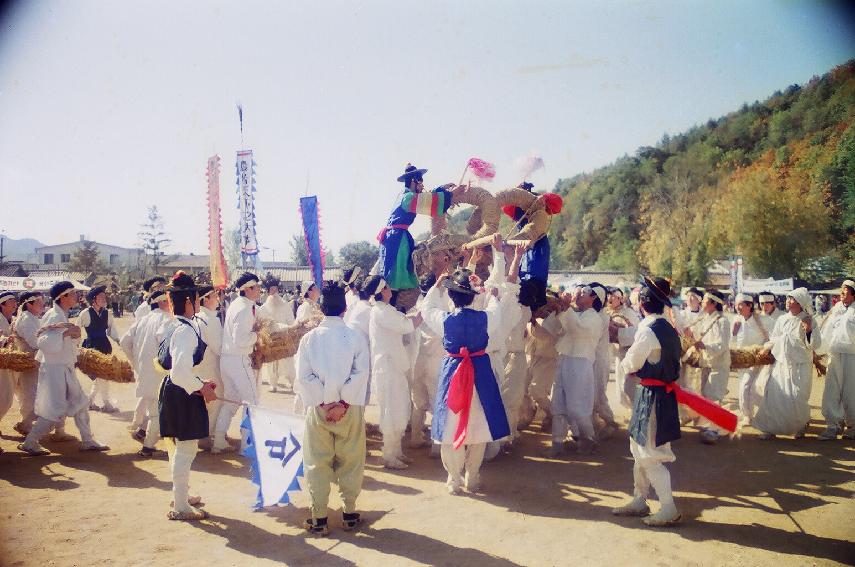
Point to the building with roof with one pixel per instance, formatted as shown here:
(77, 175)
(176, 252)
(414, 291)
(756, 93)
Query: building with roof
(58, 256)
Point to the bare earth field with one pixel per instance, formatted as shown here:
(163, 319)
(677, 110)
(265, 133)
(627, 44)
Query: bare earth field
(744, 502)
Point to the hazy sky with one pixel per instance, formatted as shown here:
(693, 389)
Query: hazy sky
(107, 107)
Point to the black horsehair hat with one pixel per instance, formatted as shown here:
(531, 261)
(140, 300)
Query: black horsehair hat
(410, 173)
(660, 288)
(94, 292)
(460, 282)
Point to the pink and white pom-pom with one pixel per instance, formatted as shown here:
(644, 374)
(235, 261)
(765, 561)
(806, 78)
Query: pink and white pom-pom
(482, 169)
(528, 164)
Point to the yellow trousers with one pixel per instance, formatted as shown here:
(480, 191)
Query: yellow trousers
(334, 452)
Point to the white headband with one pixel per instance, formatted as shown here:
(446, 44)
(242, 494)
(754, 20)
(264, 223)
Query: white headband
(744, 298)
(381, 283)
(207, 294)
(66, 292)
(711, 297)
(247, 285)
(848, 283)
(601, 293)
(766, 298)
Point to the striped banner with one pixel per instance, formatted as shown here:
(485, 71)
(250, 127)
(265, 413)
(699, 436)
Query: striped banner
(219, 271)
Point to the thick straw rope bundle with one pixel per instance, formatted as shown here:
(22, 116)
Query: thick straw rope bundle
(91, 362)
(110, 367)
(17, 360)
(485, 218)
(275, 342)
(532, 205)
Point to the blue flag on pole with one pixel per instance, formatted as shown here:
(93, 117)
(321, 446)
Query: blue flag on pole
(275, 449)
(312, 232)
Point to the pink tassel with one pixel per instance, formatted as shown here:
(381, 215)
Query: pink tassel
(482, 169)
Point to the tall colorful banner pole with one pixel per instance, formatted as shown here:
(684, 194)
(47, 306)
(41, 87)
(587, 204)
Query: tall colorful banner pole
(245, 171)
(312, 232)
(219, 271)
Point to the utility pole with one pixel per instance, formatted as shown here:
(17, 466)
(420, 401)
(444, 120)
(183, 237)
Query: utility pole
(2, 240)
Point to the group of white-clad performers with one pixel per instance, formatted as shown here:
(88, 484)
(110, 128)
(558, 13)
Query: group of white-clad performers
(481, 356)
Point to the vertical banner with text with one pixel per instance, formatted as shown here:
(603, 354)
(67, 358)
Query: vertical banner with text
(245, 169)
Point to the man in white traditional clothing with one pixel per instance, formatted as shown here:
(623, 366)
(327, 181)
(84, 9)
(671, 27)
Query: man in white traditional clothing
(58, 393)
(389, 366)
(140, 343)
(150, 286)
(426, 372)
(240, 381)
(785, 409)
(350, 278)
(688, 321)
(332, 380)
(574, 390)
(156, 300)
(211, 330)
(309, 307)
(602, 369)
(8, 380)
(654, 362)
(769, 311)
(748, 331)
(542, 364)
(838, 397)
(26, 326)
(279, 311)
(623, 324)
(712, 339)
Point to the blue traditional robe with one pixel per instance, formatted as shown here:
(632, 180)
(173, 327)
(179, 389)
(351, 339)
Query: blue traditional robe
(396, 242)
(468, 328)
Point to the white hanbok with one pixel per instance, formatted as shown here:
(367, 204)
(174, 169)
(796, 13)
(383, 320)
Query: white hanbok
(838, 398)
(785, 408)
(26, 325)
(279, 311)
(751, 332)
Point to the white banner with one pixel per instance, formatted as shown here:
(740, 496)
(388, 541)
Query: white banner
(778, 287)
(276, 452)
(35, 283)
(246, 202)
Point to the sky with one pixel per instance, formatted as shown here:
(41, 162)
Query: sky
(109, 107)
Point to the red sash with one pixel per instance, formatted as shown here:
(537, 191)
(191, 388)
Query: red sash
(700, 404)
(381, 236)
(460, 391)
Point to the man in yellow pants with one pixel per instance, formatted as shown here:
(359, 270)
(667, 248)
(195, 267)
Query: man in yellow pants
(332, 381)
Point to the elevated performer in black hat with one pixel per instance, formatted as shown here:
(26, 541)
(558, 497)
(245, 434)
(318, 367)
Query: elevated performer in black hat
(396, 242)
(98, 324)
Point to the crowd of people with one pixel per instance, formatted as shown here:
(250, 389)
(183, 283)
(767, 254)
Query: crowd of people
(482, 358)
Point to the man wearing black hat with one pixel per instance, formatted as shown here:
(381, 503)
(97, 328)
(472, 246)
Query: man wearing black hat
(332, 381)
(98, 324)
(280, 312)
(240, 381)
(149, 287)
(396, 242)
(8, 304)
(59, 393)
(654, 357)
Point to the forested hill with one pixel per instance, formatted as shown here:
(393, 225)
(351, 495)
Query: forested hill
(773, 181)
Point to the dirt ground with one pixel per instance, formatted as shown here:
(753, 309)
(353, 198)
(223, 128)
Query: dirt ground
(744, 502)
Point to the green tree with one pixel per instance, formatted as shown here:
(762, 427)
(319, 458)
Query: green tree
(362, 254)
(87, 259)
(153, 237)
(298, 250)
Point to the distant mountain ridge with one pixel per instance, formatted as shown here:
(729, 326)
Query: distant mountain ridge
(773, 182)
(21, 249)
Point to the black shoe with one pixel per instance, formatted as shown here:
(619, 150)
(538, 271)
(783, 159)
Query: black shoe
(350, 521)
(139, 435)
(317, 526)
(146, 452)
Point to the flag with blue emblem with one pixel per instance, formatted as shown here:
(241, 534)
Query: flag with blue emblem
(275, 450)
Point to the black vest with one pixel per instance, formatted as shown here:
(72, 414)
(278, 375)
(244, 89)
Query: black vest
(164, 357)
(654, 398)
(96, 331)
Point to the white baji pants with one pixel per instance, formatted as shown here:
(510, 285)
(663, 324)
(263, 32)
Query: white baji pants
(240, 384)
(7, 390)
(513, 388)
(152, 434)
(100, 389)
(465, 461)
(393, 393)
(181, 456)
(838, 397)
(26, 392)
